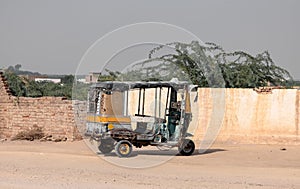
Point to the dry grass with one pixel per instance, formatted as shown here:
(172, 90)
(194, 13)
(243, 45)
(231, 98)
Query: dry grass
(35, 133)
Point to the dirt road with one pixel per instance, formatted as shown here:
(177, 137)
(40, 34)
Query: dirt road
(74, 165)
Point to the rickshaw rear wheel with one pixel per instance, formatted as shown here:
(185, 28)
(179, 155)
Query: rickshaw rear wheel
(187, 148)
(106, 146)
(123, 148)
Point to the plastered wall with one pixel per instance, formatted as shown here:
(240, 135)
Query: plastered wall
(249, 117)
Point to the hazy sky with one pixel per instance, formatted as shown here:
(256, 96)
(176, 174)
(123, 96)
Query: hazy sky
(52, 36)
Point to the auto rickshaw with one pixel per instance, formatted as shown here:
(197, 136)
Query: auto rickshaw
(126, 114)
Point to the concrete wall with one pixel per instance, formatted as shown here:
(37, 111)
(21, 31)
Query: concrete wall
(248, 116)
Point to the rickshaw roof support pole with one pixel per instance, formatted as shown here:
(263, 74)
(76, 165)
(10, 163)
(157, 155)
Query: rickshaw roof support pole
(143, 108)
(167, 101)
(125, 111)
(139, 105)
(159, 106)
(155, 103)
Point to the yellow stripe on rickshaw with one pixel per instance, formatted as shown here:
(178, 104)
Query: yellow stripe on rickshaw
(108, 119)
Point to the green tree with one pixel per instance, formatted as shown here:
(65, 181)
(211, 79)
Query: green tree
(204, 63)
(80, 91)
(34, 89)
(17, 67)
(16, 84)
(22, 87)
(110, 76)
(68, 79)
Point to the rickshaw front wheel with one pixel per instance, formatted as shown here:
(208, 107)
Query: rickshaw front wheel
(187, 148)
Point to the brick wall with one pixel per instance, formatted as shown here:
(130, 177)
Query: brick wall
(54, 115)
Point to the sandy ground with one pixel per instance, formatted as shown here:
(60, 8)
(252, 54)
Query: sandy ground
(73, 165)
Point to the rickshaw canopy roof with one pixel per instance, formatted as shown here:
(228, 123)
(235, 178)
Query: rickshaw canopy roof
(125, 86)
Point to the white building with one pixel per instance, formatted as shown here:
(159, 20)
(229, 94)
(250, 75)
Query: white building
(48, 80)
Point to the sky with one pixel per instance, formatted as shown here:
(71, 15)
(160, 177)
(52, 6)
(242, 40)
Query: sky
(52, 36)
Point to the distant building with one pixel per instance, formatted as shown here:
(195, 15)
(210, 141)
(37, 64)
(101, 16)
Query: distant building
(48, 80)
(92, 77)
(82, 80)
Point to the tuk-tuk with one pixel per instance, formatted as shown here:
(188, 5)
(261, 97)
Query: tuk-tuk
(126, 114)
